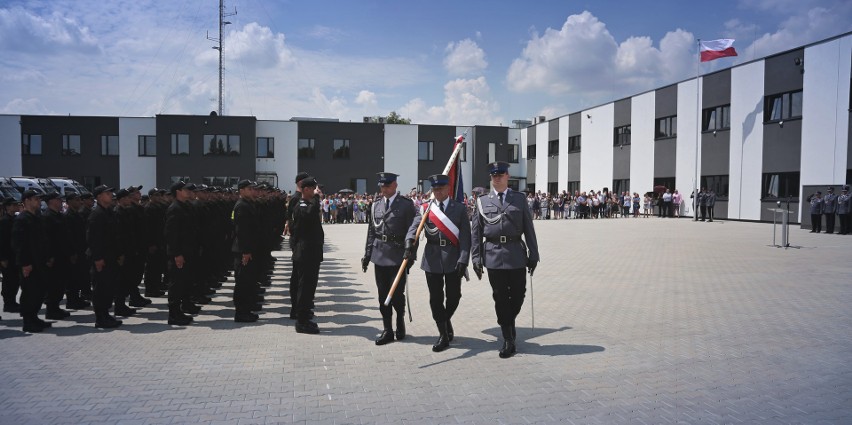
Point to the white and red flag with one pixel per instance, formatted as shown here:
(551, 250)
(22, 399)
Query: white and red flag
(715, 49)
(444, 224)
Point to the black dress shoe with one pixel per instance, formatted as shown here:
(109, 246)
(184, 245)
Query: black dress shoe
(139, 301)
(245, 317)
(77, 304)
(190, 308)
(200, 299)
(156, 293)
(508, 349)
(442, 344)
(123, 310)
(43, 324)
(107, 324)
(307, 327)
(57, 314)
(385, 338)
(32, 328)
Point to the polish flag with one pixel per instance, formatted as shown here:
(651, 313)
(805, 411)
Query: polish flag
(715, 49)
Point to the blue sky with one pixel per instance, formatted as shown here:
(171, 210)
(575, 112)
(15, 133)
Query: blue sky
(437, 62)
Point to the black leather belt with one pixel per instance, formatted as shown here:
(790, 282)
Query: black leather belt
(503, 239)
(391, 238)
(439, 242)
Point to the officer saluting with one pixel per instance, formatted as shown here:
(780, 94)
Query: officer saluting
(307, 238)
(392, 216)
(844, 208)
(445, 256)
(829, 203)
(501, 218)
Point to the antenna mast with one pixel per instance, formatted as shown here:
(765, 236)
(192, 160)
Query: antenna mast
(220, 47)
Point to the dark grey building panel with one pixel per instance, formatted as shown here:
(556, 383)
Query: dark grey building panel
(89, 167)
(531, 140)
(444, 137)
(622, 112)
(552, 170)
(574, 164)
(715, 153)
(621, 163)
(665, 157)
(553, 129)
(196, 165)
(782, 146)
(783, 74)
(716, 89)
(366, 154)
(665, 101)
(574, 124)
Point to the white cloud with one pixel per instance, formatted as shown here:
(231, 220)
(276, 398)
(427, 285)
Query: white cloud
(464, 58)
(814, 24)
(23, 31)
(466, 102)
(30, 106)
(257, 46)
(366, 98)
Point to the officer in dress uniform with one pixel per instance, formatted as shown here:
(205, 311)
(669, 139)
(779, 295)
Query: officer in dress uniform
(8, 266)
(816, 211)
(501, 218)
(446, 255)
(31, 255)
(307, 240)
(844, 210)
(102, 239)
(245, 248)
(386, 235)
(59, 250)
(182, 248)
(829, 208)
(294, 271)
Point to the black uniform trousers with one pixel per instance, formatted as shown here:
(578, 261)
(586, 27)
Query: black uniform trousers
(703, 212)
(181, 280)
(294, 283)
(436, 283)
(508, 288)
(844, 223)
(155, 265)
(11, 283)
(384, 280)
(80, 278)
(816, 223)
(104, 285)
(56, 278)
(308, 276)
(245, 278)
(710, 213)
(829, 222)
(33, 289)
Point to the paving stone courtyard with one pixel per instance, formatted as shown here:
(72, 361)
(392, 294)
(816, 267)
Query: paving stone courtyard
(636, 321)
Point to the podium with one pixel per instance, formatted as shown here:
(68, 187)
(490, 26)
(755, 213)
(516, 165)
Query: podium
(785, 226)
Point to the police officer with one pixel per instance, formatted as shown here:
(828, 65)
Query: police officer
(182, 248)
(307, 238)
(126, 248)
(78, 274)
(501, 218)
(829, 208)
(446, 255)
(392, 216)
(711, 204)
(33, 258)
(294, 271)
(155, 261)
(245, 248)
(88, 202)
(816, 211)
(59, 250)
(102, 239)
(8, 266)
(844, 210)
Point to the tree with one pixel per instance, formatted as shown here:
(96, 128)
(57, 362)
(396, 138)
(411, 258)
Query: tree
(394, 118)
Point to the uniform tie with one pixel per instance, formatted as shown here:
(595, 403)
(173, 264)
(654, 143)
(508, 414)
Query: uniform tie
(500, 195)
(441, 205)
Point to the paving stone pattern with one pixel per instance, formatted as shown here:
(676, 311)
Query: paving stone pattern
(636, 321)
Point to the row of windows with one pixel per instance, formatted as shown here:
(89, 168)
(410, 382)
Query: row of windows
(31, 144)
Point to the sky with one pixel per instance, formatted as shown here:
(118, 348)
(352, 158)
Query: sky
(459, 62)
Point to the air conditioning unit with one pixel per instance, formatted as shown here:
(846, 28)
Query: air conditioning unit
(367, 119)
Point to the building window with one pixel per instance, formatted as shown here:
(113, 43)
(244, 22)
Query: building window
(425, 151)
(266, 147)
(109, 145)
(666, 127)
(666, 182)
(221, 181)
(574, 144)
(718, 118)
(463, 152)
(91, 182)
(719, 184)
(222, 144)
(358, 185)
(619, 186)
(574, 186)
(552, 188)
(180, 144)
(31, 144)
(492, 152)
(783, 106)
(514, 154)
(341, 149)
(175, 179)
(781, 185)
(306, 148)
(70, 144)
(530, 151)
(622, 136)
(147, 145)
(553, 148)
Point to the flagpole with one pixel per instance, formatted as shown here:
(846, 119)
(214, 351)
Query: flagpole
(697, 179)
(404, 264)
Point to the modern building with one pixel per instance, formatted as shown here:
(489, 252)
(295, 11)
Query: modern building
(757, 133)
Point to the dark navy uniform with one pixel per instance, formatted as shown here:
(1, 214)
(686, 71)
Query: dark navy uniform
(816, 207)
(8, 266)
(497, 228)
(103, 252)
(829, 202)
(386, 234)
(182, 243)
(844, 210)
(445, 257)
(246, 239)
(307, 238)
(294, 272)
(31, 254)
(58, 273)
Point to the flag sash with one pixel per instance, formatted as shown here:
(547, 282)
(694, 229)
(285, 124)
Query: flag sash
(444, 224)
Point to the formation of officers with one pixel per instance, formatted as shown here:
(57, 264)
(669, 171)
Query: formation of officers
(499, 238)
(99, 250)
(829, 206)
(186, 241)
